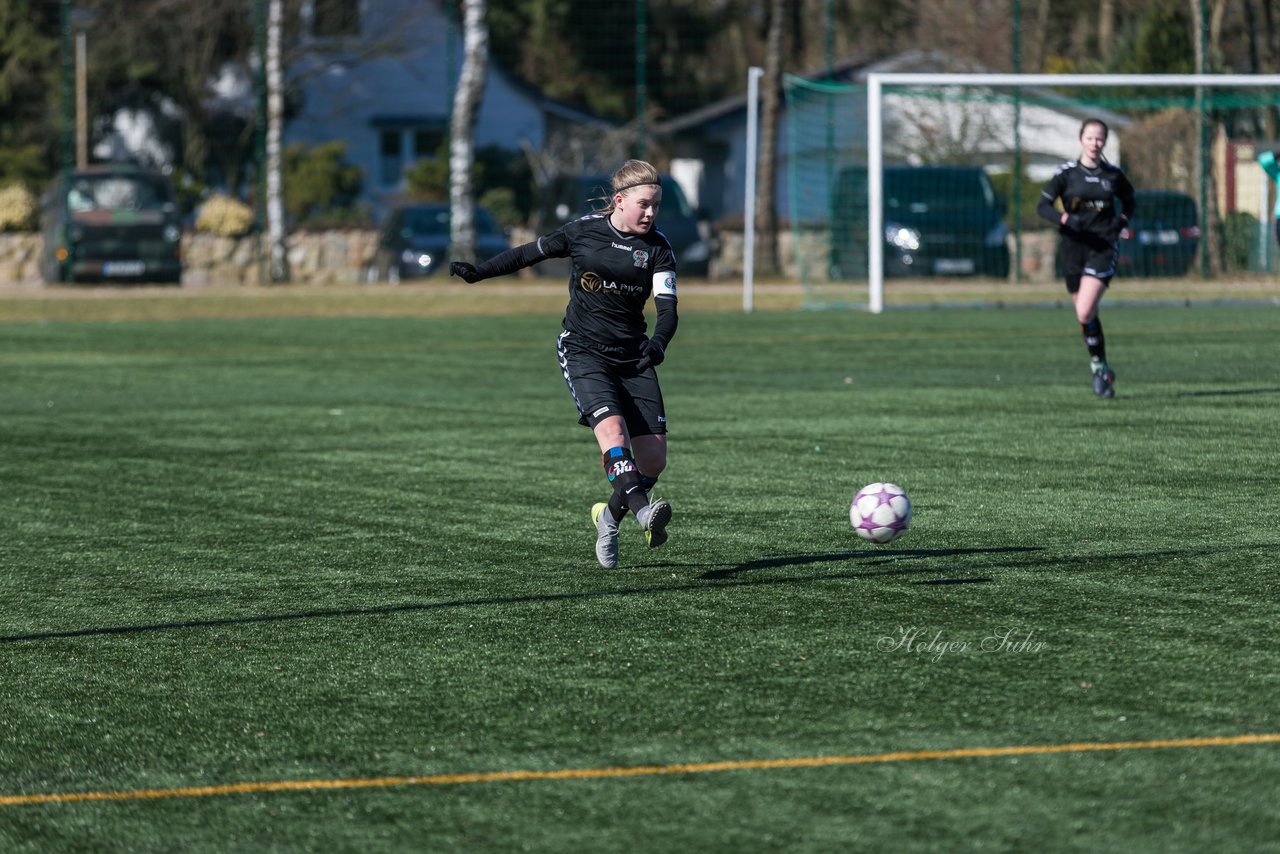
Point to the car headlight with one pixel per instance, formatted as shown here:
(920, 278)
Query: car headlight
(902, 237)
(997, 235)
(696, 251)
(422, 259)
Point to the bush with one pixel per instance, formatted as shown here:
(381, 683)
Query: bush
(19, 209)
(225, 216)
(1239, 240)
(503, 182)
(319, 181)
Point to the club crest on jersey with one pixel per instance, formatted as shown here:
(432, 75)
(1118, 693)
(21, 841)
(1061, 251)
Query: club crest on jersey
(641, 258)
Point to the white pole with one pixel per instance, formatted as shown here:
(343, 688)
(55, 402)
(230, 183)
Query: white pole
(749, 207)
(875, 198)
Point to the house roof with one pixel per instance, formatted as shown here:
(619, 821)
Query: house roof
(841, 70)
(855, 68)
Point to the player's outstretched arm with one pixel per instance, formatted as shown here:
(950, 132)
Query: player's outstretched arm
(517, 258)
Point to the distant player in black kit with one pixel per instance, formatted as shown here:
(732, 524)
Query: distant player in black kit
(1097, 201)
(619, 259)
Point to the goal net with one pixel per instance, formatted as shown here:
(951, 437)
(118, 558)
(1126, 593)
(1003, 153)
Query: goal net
(922, 188)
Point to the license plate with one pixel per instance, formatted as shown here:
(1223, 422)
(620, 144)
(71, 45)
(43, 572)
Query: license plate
(1166, 237)
(123, 268)
(953, 265)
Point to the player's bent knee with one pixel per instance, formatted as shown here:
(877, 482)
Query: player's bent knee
(651, 454)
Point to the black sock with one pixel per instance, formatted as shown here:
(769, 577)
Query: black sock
(618, 508)
(628, 491)
(1094, 339)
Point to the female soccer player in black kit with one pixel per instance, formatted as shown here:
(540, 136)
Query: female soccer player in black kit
(619, 259)
(1090, 224)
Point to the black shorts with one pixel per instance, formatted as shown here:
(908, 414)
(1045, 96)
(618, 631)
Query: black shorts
(1096, 257)
(601, 389)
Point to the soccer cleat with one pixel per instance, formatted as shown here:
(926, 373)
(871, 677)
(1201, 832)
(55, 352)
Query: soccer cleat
(1104, 380)
(654, 518)
(606, 535)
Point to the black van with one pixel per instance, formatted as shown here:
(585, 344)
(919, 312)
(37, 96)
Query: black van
(111, 222)
(686, 228)
(938, 221)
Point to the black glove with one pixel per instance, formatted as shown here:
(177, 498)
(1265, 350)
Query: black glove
(467, 272)
(651, 355)
(1079, 221)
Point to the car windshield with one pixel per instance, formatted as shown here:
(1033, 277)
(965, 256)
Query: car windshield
(931, 191)
(1170, 209)
(435, 221)
(116, 193)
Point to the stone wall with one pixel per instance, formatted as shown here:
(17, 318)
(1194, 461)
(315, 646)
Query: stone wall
(19, 259)
(339, 257)
(316, 258)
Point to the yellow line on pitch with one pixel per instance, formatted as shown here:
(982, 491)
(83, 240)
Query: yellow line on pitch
(636, 771)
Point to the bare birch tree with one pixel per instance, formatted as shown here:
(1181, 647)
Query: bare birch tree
(462, 149)
(277, 248)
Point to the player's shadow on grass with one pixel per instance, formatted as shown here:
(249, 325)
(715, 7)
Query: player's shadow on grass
(1021, 557)
(1226, 392)
(726, 576)
(873, 558)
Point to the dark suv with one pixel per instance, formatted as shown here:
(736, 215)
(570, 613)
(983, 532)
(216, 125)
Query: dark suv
(111, 223)
(938, 221)
(414, 243)
(1162, 236)
(688, 231)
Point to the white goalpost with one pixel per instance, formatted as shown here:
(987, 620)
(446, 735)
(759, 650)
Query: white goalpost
(875, 125)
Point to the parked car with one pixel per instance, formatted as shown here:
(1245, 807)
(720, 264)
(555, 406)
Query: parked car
(111, 222)
(687, 229)
(938, 221)
(1162, 237)
(414, 242)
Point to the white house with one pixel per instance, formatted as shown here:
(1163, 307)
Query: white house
(823, 128)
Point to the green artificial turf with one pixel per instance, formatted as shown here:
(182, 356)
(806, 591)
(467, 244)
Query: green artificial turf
(326, 549)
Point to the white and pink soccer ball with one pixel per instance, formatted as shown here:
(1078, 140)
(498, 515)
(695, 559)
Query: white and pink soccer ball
(880, 512)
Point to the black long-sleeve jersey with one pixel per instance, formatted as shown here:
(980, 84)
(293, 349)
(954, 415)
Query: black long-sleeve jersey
(612, 278)
(1093, 199)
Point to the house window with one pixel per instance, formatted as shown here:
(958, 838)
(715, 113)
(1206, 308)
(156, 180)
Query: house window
(426, 143)
(390, 156)
(335, 18)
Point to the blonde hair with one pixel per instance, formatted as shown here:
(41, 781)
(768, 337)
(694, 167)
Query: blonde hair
(633, 173)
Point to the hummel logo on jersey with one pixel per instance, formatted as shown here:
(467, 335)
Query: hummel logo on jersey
(617, 245)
